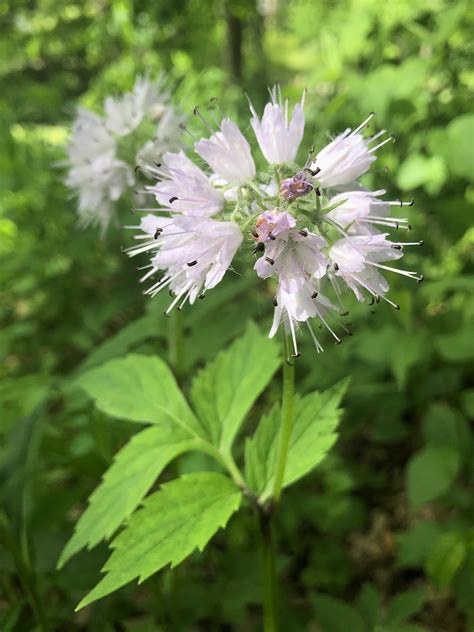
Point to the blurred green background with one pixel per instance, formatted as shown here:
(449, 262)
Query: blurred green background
(380, 537)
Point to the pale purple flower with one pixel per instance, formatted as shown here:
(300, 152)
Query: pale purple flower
(346, 157)
(294, 256)
(362, 211)
(184, 188)
(278, 136)
(228, 154)
(293, 308)
(193, 252)
(296, 186)
(357, 260)
(272, 224)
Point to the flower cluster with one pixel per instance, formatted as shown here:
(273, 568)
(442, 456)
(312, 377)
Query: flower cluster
(103, 150)
(314, 228)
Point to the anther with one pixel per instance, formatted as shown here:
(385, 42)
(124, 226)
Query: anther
(275, 302)
(158, 232)
(397, 307)
(270, 261)
(295, 355)
(136, 168)
(318, 191)
(192, 263)
(201, 296)
(272, 237)
(260, 247)
(421, 242)
(172, 199)
(396, 247)
(303, 233)
(255, 234)
(372, 301)
(420, 279)
(336, 267)
(314, 295)
(158, 164)
(166, 315)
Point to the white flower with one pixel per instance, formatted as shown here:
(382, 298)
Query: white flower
(346, 157)
(96, 172)
(166, 136)
(295, 256)
(278, 137)
(357, 260)
(184, 188)
(125, 113)
(194, 252)
(298, 307)
(228, 154)
(360, 211)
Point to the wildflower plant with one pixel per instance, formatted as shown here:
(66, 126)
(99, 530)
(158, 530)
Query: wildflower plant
(317, 236)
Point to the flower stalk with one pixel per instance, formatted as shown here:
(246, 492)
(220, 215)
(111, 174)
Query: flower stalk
(267, 549)
(288, 395)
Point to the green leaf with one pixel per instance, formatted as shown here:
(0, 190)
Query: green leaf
(418, 170)
(314, 433)
(336, 616)
(445, 426)
(430, 473)
(140, 388)
(369, 604)
(130, 335)
(458, 150)
(125, 483)
(405, 604)
(445, 558)
(457, 346)
(224, 391)
(182, 516)
(415, 544)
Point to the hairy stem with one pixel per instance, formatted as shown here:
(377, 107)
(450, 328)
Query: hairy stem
(288, 395)
(268, 571)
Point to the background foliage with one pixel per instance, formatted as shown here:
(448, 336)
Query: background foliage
(380, 537)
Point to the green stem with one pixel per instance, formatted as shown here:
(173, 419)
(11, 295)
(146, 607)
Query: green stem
(24, 572)
(288, 396)
(175, 341)
(268, 571)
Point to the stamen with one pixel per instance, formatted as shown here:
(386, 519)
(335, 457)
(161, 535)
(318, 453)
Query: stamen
(384, 142)
(363, 124)
(319, 347)
(270, 261)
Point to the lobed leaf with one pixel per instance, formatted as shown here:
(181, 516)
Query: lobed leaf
(224, 391)
(135, 468)
(182, 516)
(140, 388)
(314, 432)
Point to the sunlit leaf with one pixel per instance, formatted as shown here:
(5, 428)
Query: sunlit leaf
(182, 516)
